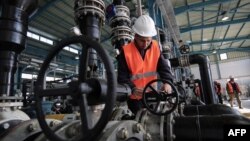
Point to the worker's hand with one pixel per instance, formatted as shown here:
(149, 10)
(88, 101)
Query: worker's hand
(138, 92)
(167, 88)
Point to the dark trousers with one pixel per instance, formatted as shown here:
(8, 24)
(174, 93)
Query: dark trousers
(220, 99)
(235, 94)
(135, 105)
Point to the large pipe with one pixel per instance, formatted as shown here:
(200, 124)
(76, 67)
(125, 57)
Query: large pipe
(8, 63)
(14, 15)
(98, 88)
(90, 16)
(197, 128)
(212, 109)
(120, 23)
(205, 73)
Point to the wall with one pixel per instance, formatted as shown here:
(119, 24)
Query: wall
(239, 69)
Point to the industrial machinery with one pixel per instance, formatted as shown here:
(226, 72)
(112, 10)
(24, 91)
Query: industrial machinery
(99, 105)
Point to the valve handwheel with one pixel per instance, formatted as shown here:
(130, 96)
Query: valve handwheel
(184, 49)
(79, 90)
(158, 101)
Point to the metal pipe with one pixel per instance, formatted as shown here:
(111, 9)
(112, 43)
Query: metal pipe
(8, 63)
(120, 23)
(13, 28)
(90, 16)
(213, 109)
(197, 128)
(205, 73)
(139, 8)
(118, 2)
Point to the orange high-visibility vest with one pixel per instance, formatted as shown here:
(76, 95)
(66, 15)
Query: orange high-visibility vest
(230, 89)
(142, 71)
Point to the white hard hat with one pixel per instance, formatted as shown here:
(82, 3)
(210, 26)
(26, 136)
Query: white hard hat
(144, 26)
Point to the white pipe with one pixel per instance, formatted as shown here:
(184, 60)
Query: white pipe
(139, 8)
(154, 11)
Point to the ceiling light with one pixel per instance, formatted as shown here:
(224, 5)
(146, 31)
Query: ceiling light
(76, 30)
(225, 18)
(59, 69)
(214, 51)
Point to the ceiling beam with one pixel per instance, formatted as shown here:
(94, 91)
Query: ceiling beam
(43, 53)
(241, 49)
(182, 9)
(187, 29)
(42, 9)
(220, 40)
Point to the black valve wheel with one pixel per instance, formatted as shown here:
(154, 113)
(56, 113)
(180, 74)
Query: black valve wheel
(184, 49)
(158, 101)
(182, 93)
(79, 90)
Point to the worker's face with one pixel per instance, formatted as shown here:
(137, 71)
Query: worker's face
(142, 42)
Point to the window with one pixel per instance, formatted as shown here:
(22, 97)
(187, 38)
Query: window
(32, 35)
(31, 76)
(48, 41)
(66, 48)
(28, 76)
(37, 37)
(70, 49)
(73, 50)
(223, 56)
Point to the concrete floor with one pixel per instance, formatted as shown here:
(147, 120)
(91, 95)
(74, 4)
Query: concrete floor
(245, 104)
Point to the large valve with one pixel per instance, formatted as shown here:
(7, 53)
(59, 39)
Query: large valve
(82, 91)
(157, 101)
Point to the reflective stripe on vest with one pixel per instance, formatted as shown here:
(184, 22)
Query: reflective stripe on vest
(139, 76)
(142, 70)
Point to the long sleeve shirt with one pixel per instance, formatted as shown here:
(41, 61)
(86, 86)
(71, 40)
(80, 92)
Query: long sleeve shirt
(124, 73)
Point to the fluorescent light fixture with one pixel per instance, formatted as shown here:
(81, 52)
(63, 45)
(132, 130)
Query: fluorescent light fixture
(76, 30)
(223, 56)
(225, 18)
(59, 69)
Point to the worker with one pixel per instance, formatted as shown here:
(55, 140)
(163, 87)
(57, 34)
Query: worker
(197, 91)
(140, 61)
(217, 87)
(233, 90)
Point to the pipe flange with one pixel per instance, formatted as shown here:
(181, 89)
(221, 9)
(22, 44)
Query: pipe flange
(122, 36)
(120, 21)
(184, 60)
(124, 130)
(117, 39)
(122, 10)
(121, 30)
(94, 7)
(169, 131)
(11, 101)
